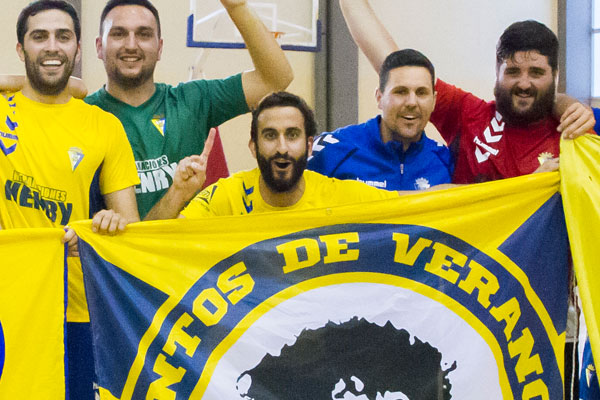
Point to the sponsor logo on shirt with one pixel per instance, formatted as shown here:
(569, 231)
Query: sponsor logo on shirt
(492, 134)
(377, 184)
(154, 174)
(23, 190)
(9, 141)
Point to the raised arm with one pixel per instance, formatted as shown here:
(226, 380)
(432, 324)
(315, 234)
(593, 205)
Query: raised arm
(188, 180)
(14, 83)
(575, 118)
(11, 83)
(272, 71)
(367, 31)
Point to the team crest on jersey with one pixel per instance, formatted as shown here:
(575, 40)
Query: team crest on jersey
(422, 184)
(159, 124)
(75, 155)
(590, 371)
(545, 156)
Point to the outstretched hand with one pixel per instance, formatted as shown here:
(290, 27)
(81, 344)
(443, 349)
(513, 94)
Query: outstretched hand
(190, 173)
(71, 238)
(577, 120)
(189, 177)
(108, 222)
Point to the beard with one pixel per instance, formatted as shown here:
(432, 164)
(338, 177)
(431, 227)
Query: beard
(128, 81)
(48, 86)
(276, 184)
(540, 109)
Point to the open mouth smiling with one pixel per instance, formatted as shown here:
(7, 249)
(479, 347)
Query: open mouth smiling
(51, 63)
(282, 164)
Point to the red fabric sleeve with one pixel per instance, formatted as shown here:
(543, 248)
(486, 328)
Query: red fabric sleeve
(217, 164)
(451, 103)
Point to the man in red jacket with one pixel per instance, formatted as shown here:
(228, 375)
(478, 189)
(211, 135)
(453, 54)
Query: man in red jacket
(519, 132)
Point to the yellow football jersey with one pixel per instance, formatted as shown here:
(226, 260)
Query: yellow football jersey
(240, 194)
(56, 160)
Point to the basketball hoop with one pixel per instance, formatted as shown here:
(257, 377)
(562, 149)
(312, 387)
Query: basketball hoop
(294, 24)
(278, 35)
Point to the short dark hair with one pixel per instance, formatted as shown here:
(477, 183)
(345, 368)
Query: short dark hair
(42, 5)
(116, 3)
(382, 357)
(284, 99)
(404, 58)
(526, 36)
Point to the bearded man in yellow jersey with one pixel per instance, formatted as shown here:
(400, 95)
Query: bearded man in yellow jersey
(62, 160)
(282, 132)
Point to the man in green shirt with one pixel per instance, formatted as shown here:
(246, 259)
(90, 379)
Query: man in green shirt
(165, 124)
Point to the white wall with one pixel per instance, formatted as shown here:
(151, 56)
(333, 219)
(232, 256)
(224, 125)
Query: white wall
(458, 36)
(173, 68)
(8, 26)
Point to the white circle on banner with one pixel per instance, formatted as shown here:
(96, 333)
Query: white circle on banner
(476, 375)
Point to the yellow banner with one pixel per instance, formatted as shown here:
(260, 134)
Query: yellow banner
(32, 314)
(580, 187)
(473, 279)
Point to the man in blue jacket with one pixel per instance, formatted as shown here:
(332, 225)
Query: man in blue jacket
(390, 151)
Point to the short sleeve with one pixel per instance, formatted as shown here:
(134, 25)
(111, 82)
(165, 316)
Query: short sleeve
(118, 168)
(449, 106)
(218, 99)
(328, 153)
(205, 204)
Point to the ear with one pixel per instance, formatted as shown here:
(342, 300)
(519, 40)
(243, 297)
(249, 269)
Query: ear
(309, 142)
(378, 96)
(99, 47)
(20, 52)
(78, 54)
(252, 147)
(434, 98)
(160, 47)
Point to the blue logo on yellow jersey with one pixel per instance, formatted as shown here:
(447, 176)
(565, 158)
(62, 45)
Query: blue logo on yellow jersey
(6, 137)
(247, 192)
(26, 192)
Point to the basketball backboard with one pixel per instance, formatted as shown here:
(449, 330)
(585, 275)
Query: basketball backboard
(294, 23)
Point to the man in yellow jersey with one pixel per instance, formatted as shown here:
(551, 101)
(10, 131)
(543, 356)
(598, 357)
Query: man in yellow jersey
(62, 160)
(282, 132)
